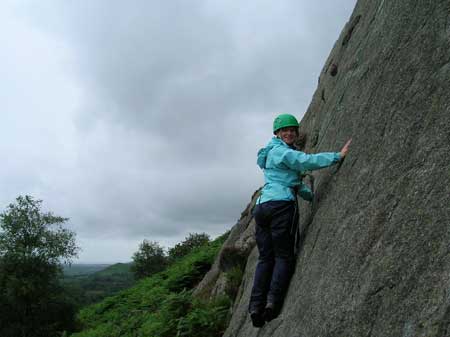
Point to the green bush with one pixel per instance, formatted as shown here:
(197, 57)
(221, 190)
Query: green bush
(192, 241)
(148, 260)
(206, 319)
(234, 279)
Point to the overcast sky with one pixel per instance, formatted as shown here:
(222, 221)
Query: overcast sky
(142, 119)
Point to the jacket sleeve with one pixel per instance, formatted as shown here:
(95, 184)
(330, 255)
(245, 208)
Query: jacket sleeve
(305, 193)
(301, 161)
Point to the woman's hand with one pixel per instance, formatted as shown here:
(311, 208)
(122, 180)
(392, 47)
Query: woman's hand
(344, 150)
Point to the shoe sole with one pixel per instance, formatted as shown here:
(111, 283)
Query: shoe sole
(269, 314)
(257, 320)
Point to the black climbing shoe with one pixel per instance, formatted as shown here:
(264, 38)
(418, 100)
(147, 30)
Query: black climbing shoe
(257, 318)
(270, 312)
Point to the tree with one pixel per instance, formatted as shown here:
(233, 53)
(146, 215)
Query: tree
(149, 259)
(33, 245)
(193, 240)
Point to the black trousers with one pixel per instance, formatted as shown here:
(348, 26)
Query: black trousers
(276, 224)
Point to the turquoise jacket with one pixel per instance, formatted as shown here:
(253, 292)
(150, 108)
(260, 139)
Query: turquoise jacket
(282, 166)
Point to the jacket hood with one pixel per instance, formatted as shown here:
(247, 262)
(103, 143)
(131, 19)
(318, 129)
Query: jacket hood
(262, 153)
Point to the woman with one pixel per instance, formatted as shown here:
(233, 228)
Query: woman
(275, 214)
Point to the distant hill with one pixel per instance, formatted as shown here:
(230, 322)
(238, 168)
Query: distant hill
(83, 269)
(114, 269)
(92, 283)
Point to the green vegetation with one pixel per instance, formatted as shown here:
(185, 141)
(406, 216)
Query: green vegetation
(32, 246)
(234, 278)
(149, 259)
(89, 288)
(192, 241)
(38, 300)
(162, 305)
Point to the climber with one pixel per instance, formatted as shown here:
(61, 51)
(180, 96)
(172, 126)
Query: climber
(275, 214)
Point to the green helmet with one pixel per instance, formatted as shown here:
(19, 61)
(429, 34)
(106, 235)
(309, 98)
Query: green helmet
(283, 121)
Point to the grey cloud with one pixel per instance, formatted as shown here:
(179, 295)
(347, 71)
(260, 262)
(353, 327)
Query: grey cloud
(165, 61)
(173, 99)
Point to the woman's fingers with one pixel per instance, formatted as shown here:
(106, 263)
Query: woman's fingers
(344, 150)
(348, 143)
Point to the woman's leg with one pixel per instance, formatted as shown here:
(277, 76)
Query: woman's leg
(283, 241)
(263, 273)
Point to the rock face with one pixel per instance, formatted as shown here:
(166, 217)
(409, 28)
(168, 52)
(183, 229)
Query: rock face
(375, 260)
